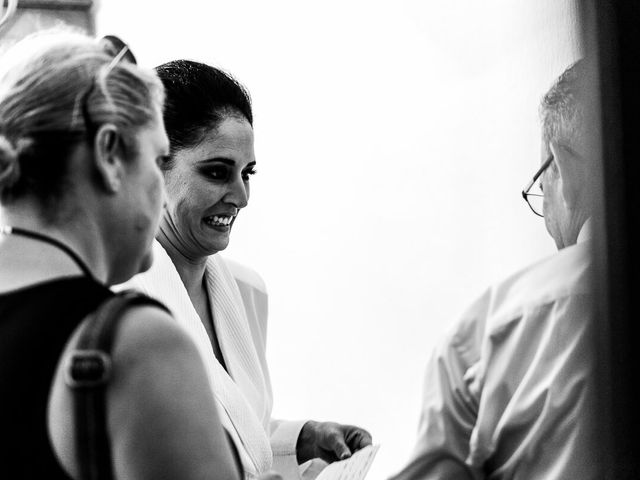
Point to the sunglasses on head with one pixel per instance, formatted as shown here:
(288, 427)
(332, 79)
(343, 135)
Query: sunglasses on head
(121, 52)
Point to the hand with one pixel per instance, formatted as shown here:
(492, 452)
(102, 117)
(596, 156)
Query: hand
(330, 441)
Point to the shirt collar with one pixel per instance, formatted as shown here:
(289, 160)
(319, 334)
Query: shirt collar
(585, 231)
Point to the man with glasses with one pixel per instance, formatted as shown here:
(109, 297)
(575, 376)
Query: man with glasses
(508, 393)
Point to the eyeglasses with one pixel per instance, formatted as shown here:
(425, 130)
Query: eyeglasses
(120, 50)
(536, 200)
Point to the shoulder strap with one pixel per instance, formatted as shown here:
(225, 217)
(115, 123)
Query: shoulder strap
(87, 373)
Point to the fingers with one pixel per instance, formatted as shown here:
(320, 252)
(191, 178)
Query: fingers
(357, 438)
(333, 441)
(340, 448)
(350, 440)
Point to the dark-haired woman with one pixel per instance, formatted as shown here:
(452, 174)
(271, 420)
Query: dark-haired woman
(81, 136)
(209, 121)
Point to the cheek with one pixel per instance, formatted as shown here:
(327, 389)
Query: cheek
(150, 207)
(545, 203)
(183, 212)
(181, 189)
(157, 193)
(194, 195)
(173, 187)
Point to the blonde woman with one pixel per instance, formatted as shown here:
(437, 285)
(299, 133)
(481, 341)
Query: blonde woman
(81, 137)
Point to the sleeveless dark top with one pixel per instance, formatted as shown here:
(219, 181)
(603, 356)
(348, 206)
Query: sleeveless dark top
(35, 325)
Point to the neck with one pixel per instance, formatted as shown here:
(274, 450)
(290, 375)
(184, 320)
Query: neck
(79, 234)
(572, 230)
(190, 269)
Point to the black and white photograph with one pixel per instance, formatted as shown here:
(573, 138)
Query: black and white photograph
(338, 240)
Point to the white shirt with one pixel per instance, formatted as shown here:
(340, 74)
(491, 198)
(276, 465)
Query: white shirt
(509, 393)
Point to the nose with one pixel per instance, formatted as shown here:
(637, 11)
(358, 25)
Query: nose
(238, 193)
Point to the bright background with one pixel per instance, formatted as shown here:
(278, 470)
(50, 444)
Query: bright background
(393, 139)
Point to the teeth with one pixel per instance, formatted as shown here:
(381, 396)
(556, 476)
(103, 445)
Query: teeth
(219, 220)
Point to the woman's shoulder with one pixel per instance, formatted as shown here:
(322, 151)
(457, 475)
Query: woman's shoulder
(153, 360)
(245, 275)
(146, 329)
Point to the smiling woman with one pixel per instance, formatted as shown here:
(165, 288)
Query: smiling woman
(207, 187)
(223, 305)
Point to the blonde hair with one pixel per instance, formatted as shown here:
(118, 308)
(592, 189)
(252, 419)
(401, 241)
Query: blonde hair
(55, 87)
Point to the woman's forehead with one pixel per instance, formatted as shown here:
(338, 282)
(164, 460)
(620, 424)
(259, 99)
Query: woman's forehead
(230, 134)
(231, 140)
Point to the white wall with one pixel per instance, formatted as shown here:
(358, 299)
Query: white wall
(393, 139)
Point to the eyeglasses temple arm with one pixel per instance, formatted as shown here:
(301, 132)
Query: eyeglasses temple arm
(117, 58)
(528, 187)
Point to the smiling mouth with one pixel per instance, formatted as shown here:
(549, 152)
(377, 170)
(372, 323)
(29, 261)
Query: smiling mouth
(219, 220)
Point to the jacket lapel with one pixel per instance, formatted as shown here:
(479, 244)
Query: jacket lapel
(234, 336)
(241, 398)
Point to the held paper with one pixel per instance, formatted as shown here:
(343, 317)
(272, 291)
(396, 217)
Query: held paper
(353, 468)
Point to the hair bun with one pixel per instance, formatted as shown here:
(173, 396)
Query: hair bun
(9, 160)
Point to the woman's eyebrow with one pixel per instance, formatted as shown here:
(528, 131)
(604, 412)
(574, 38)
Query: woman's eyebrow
(226, 161)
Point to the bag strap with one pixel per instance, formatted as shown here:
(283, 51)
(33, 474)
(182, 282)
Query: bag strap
(87, 373)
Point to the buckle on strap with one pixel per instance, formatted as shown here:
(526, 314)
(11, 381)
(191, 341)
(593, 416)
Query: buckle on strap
(87, 368)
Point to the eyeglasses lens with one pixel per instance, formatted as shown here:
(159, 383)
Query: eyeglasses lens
(535, 198)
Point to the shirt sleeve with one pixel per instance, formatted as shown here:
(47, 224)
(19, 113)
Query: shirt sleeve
(450, 404)
(283, 438)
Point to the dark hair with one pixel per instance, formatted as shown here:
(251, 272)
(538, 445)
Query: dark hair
(197, 98)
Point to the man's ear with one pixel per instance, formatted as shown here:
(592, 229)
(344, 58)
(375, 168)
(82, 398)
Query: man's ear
(572, 172)
(108, 157)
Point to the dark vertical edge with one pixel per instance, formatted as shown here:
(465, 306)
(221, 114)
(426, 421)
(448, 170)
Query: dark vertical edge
(591, 35)
(611, 34)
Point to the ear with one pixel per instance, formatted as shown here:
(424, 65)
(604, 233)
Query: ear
(108, 157)
(572, 172)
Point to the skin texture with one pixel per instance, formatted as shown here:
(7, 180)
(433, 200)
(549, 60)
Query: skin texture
(566, 202)
(108, 215)
(211, 178)
(141, 186)
(330, 441)
(162, 420)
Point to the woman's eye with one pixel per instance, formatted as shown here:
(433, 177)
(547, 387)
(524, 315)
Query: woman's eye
(247, 173)
(218, 172)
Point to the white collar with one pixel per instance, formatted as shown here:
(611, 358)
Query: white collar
(585, 231)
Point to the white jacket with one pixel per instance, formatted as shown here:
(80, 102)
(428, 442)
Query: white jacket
(238, 302)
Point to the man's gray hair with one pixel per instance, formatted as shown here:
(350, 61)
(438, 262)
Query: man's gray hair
(567, 109)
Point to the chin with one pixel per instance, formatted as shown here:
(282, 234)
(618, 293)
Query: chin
(222, 245)
(140, 266)
(146, 262)
(216, 246)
